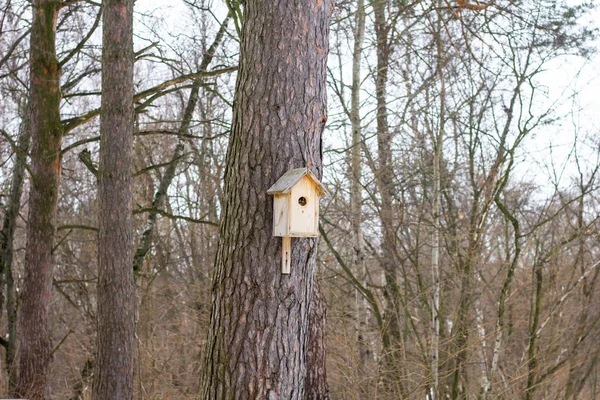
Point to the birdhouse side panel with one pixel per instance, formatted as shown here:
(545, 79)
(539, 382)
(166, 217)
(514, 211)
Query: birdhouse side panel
(281, 215)
(316, 217)
(304, 206)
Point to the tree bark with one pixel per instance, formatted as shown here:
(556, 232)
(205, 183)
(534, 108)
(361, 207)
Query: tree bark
(46, 131)
(259, 330)
(116, 290)
(316, 383)
(11, 213)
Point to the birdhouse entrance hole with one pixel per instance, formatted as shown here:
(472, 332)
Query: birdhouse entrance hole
(302, 201)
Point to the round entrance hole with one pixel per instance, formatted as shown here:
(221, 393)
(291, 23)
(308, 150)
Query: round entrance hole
(302, 201)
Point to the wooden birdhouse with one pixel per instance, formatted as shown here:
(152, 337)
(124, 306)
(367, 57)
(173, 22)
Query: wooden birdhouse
(295, 209)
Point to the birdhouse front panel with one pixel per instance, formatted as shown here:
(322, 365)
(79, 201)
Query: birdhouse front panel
(304, 209)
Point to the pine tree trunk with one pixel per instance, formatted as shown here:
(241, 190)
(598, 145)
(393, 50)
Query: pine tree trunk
(46, 131)
(116, 290)
(316, 384)
(259, 330)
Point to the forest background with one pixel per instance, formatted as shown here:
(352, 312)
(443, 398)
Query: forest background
(459, 242)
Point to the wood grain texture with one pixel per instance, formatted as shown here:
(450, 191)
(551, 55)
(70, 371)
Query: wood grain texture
(258, 336)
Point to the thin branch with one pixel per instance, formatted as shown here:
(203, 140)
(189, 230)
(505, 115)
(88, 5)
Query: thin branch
(55, 349)
(73, 123)
(83, 41)
(13, 47)
(82, 227)
(174, 217)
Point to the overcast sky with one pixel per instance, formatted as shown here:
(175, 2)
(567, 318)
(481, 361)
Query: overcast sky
(574, 83)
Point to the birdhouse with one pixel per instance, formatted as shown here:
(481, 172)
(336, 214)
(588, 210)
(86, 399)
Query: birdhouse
(295, 208)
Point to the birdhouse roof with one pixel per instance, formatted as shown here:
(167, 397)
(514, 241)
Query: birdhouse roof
(291, 178)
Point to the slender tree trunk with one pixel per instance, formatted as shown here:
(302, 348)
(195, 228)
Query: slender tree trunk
(438, 143)
(6, 248)
(356, 188)
(11, 316)
(385, 175)
(116, 290)
(482, 334)
(435, 264)
(258, 339)
(46, 132)
(533, 332)
(504, 293)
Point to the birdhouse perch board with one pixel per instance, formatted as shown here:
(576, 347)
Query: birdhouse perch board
(295, 209)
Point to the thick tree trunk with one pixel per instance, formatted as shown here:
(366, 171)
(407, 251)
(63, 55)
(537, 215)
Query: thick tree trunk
(116, 290)
(47, 130)
(259, 330)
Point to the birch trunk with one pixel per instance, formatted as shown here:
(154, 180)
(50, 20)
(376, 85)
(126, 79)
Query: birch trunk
(438, 141)
(361, 305)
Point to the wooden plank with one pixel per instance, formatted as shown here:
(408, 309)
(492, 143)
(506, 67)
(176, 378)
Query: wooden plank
(287, 181)
(281, 226)
(293, 176)
(286, 255)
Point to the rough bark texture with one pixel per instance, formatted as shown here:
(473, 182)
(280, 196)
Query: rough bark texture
(116, 290)
(46, 131)
(259, 329)
(316, 382)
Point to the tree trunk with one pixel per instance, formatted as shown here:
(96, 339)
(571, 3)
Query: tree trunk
(259, 330)
(6, 248)
(116, 290)
(384, 180)
(46, 131)
(437, 140)
(358, 259)
(316, 384)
